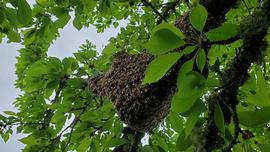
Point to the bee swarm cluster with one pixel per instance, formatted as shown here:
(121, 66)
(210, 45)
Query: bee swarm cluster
(141, 107)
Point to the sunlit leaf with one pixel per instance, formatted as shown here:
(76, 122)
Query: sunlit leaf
(24, 13)
(190, 89)
(198, 17)
(160, 66)
(255, 118)
(224, 32)
(201, 59)
(183, 142)
(219, 119)
(165, 37)
(117, 142)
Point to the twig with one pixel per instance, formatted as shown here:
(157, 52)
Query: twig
(72, 126)
(137, 136)
(146, 3)
(169, 6)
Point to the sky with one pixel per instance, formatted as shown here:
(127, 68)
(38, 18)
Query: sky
(69, 41)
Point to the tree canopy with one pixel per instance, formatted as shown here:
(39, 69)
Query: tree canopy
(184, 75)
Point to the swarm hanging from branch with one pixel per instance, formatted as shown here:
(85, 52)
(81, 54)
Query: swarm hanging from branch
(141, 107)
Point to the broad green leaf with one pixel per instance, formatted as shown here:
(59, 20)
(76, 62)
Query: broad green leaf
(29, 140)
(185, 68)
(189, 91)
(198, 17)
(160, 66)
(62, 21)
(24, 13)
(77, 23)
(14, 36)
(165, 37)
(193, 108)
(219, 119)
(161, 140)
(11, 113)
(264, 147)
(147, 148)
(194, 117)
(258, 95)
(176, 121)
(2, 16)
(70, 64)
(5, 136)
(44, 3)
(109, 50)
(224, 32)
(188, 50)
(38, 69)
(117, 142)
(255, 118)
(34, 84)
(212, 81)
(183, 142)
(201, 59)
(57, 116)
(11, 15)
(84, 144)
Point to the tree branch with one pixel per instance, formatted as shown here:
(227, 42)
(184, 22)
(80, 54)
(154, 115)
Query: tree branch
(146, 3)
(137, 136)
(253, 31)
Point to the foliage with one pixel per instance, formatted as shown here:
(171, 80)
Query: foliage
(58, 112)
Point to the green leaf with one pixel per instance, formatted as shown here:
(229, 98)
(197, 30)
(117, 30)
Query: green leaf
(188, 50)
(185, 68)
(189, 91)
(255, 118)
(109, 50)
(44, 3)
(201, 59)
(117, 142)
(182, 142)
(165, 37)
(62, 21)
(147, 148)
(194, 117)
(24, 13)
(11, 15)
(160, 66)
(224, 32)
(2, 16)
(5, 136)
(84, 144)
(176, 121)
(219, 119)
(57, 116)
(264, 147)
(14, 36)
(38, 69)
(11, 113)
(77, 23)
(259, 94)
(29, 140)
(198, 17)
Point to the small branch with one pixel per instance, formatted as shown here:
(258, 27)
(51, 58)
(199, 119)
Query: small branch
(133, 147)
(237, 130)
(146, 3)
(72, 126)
(229, 41)
(168, 7)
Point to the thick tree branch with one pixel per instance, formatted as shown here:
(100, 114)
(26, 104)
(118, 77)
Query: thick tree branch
(253, 31)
